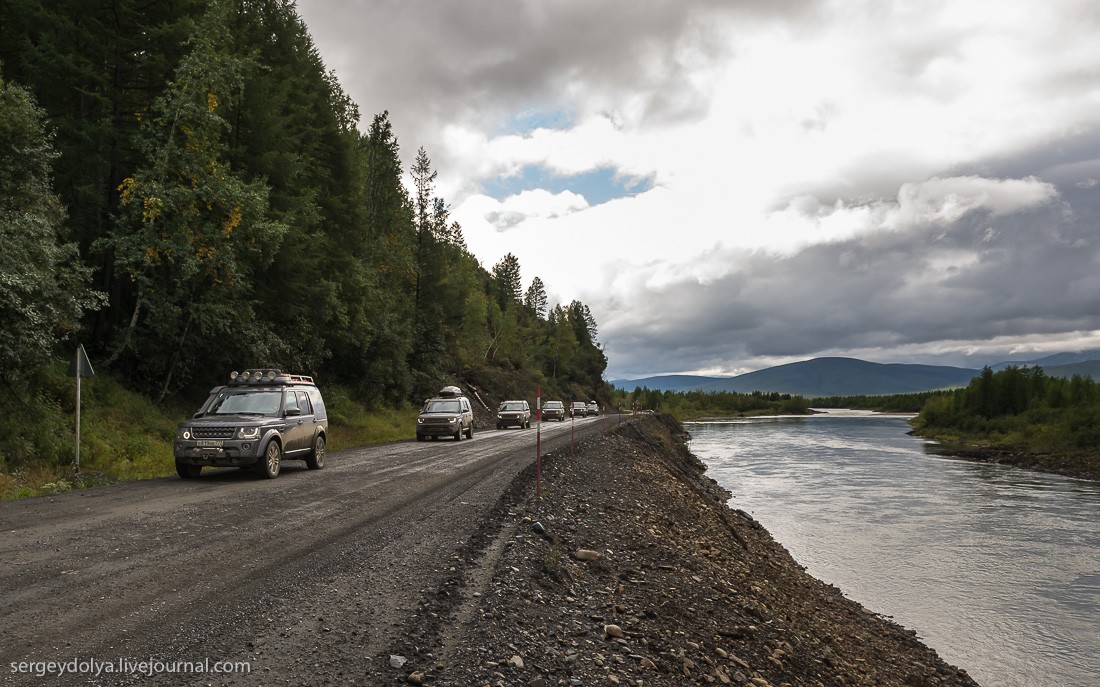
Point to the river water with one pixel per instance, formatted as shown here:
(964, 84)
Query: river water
(996, 568)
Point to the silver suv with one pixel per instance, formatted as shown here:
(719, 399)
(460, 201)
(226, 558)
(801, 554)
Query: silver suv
(448, 414)
(514, 413)
(260, 418)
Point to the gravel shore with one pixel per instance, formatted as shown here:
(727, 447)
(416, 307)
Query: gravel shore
(630, 569)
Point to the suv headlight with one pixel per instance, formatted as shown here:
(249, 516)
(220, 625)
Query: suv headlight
(248, 432)
(184, 433)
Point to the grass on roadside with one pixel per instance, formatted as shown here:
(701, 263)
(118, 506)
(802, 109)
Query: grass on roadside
(351, 424)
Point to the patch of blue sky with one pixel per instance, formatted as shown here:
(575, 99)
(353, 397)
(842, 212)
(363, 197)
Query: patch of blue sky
(523, 123)
(598, 186)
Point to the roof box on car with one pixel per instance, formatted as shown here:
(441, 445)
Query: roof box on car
(450, 392)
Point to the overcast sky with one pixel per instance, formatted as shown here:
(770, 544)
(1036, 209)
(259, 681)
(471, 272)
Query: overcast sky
(730, 185)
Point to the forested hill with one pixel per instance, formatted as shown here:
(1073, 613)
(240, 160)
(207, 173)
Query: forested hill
(187, 190)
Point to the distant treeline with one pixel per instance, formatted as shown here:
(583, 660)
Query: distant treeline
(695, 404)
(1019, 409)
(891, 403)
(185, 191)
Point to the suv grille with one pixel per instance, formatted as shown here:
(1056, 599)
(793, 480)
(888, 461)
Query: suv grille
(437, 421)
(213, 431)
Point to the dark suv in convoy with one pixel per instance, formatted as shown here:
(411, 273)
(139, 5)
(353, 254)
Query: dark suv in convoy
(553, 410)
(578, 409)
(514, 413)
(260, 418)
(448, 414)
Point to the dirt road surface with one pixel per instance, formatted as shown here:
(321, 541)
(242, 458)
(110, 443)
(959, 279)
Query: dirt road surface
(307, 578)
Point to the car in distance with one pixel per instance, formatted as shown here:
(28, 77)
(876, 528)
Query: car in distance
(260, 418)
(516, 413)
(593, 408)
(578, 409)
(553, 410)
(448, 414)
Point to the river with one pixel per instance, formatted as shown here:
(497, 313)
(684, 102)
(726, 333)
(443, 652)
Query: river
(996, 568)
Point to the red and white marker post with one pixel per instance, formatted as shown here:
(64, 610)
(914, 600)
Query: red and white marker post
(538, 441)
(572, 431)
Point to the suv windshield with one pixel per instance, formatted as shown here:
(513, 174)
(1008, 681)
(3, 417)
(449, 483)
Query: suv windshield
(553, 404)
(246, 403)
(442, 407)
(511, 406)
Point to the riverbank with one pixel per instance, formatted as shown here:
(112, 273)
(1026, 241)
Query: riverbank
(1079, 467)
(630, 569)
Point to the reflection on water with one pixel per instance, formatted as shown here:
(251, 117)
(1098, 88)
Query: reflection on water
(996, 568)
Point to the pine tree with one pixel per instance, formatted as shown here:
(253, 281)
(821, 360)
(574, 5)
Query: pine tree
(508, 281)
(535, 300)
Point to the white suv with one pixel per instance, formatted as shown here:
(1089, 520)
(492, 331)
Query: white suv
(448, 414)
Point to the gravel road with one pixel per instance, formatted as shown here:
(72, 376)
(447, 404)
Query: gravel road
(308, 577)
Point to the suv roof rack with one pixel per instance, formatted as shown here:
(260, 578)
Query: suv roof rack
(450, 392)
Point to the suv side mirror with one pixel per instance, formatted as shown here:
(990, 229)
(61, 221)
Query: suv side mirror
(293, 411)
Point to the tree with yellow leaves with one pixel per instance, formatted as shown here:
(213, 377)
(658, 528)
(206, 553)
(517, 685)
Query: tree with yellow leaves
(192, 233)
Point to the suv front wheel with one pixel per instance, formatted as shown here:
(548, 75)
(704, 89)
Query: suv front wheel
(273, 458)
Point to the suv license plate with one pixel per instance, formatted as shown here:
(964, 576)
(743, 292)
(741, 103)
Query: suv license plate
(209, 443)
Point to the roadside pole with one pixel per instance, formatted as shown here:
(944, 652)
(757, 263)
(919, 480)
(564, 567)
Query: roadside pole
(80, 367)
(538, 441)
(572, 432)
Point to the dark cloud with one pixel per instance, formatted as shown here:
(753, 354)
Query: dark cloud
(1026, 274)
(430, 62)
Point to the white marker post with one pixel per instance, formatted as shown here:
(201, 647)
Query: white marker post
(80, 367)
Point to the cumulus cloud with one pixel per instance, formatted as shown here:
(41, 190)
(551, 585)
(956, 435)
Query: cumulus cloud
(946, 200)
(537, 204)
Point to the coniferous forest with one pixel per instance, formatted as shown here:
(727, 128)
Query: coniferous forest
(1022, 416)
(186, 190)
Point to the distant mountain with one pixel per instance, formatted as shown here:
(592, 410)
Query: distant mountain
(1065, 363)
(820, 377)
(1087, 368)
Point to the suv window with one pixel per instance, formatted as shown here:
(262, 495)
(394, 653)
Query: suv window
(444, 406)
(246, 403)
(304, 404)
(512, 406)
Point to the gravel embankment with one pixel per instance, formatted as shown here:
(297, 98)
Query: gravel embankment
(631, 570)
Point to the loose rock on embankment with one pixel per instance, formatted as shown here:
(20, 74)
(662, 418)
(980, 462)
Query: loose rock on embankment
(632, 570)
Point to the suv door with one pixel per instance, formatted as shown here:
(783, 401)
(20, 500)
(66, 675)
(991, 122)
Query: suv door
(299, 428)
